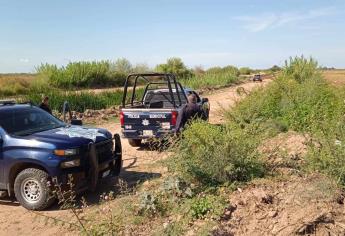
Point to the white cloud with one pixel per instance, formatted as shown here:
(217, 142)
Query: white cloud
(266, 21)
(24, 60)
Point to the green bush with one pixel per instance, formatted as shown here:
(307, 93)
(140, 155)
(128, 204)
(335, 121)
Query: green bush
(245, 71)
(200, 207)
(301, 69)
(211, 155)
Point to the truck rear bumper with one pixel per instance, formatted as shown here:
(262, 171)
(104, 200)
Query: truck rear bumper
(139, 134)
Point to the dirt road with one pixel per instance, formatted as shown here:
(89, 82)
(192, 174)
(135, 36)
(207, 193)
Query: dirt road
(15, 220)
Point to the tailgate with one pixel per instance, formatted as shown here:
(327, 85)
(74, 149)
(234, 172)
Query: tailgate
(148, 123)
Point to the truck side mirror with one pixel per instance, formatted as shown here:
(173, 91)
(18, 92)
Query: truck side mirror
(204, 100)
(76, 122)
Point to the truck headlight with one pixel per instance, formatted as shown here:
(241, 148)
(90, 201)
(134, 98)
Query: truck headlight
(66, 152)
(69, 164)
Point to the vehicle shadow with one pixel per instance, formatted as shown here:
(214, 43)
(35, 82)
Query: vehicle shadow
(9, 201)
(158, 146)
(127, 181)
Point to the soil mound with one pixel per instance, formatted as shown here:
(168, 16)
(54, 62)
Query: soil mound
(311, 205)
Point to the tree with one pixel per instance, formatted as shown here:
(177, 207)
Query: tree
(141, 68)
(198, 70)
(122, 65)
(176, 66)
(275, 68)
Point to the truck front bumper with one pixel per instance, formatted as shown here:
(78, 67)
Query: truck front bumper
(93, 167)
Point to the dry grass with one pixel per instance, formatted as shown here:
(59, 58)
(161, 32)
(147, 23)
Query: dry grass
(335, 77)
(12, 84)
(19, 77)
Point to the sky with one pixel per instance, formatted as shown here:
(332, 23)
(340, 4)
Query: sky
(204, 33)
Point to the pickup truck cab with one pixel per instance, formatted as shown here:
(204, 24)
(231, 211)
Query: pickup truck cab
(37, 149)
(158, 111)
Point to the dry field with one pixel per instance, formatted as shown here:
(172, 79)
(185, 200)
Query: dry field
(336, 77)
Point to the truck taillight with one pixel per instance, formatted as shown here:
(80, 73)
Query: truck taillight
(122, 118)
(174, 117)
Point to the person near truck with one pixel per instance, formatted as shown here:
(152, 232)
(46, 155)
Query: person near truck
(191, 111)
(45, 104)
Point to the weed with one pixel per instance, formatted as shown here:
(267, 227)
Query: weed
(200, 207)
(211, 155)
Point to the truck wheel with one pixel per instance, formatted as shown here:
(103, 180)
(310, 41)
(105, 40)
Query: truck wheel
(31, 189)
(118, 153)
(134, 142)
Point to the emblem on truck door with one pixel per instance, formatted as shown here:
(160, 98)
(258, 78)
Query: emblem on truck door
(145, 122)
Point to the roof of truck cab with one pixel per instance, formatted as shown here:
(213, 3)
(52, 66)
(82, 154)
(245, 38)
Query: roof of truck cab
(6, 107)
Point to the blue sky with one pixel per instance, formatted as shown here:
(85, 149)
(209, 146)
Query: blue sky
(202, 32)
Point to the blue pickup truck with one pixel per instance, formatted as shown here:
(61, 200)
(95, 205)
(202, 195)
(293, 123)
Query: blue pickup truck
(155, 109)
(37, 150)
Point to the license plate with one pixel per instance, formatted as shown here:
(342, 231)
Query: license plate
(105, 173)
(147, 132)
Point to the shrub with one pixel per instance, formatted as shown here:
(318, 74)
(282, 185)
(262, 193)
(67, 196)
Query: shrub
(208, 154)
(245, 71)
(301, 69)
(200, 207)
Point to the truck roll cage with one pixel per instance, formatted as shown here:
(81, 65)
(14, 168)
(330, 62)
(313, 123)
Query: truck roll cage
(166, 79)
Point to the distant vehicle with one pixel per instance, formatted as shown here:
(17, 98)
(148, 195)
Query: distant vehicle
(37, 149)
(158, 111)
(257, 77)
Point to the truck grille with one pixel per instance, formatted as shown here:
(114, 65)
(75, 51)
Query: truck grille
(104, 150)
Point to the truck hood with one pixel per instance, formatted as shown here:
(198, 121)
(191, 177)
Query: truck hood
(71, 136)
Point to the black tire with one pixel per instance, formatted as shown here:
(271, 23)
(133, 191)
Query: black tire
(37, 179)
(118, 152)
(134, 142)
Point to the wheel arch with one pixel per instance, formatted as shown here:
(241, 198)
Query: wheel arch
(16, 169)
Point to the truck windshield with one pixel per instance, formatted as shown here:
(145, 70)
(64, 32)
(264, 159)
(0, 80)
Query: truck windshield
(27, 120)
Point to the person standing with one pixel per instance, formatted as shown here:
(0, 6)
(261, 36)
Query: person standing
(45, 104)
(191, 111)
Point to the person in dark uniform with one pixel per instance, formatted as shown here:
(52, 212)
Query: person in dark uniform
(191, 111)
(45, 104)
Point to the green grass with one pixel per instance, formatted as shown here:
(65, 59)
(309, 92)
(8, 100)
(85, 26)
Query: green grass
(82, 75)
(79, 101)
(211, 80)
(302, 100)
